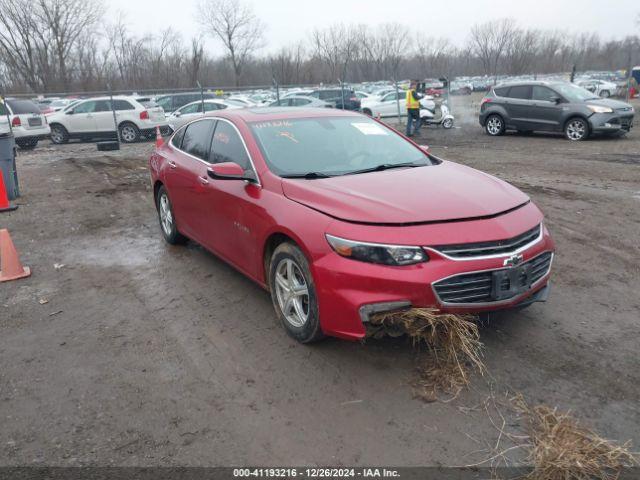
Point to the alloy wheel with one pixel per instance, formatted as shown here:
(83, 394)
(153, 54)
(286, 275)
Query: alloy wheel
(576, 130)
(128, 133)
(166, 219)
(292, 292)
(494, 125)
(57, 135)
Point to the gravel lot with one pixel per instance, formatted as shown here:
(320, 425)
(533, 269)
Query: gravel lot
(134, 352)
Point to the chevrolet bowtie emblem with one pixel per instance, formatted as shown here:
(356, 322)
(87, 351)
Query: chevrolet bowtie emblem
(513, 260)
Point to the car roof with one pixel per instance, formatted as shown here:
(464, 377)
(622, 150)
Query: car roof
(265, 114)
(525, 83)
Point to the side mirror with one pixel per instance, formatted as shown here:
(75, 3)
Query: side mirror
(555, 100)
(177, 114)
(229, 171)
(69, 112)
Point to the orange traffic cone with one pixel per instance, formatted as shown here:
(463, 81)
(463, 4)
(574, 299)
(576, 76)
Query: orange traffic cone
(5, 206)
(10, 266)
(159, 140)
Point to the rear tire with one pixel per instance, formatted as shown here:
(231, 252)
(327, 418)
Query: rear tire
(576, 129)
(494, 125)
(129, 133)
(367, 111)
(293, 293)
(59, 134)
(605, 94)
(167, 218)
(27, 143)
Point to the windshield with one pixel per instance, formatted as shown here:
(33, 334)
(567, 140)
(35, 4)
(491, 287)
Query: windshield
(332, 146)
(573, 93)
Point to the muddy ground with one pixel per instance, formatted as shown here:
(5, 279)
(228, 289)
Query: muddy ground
(123, 350)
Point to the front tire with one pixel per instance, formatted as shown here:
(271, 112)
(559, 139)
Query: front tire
(293, 293)
(576, 129)
(605, 94)
(367, 111)
(494, 125)
(167, 218)
(448, 123)
(59, 134)
(129, 133)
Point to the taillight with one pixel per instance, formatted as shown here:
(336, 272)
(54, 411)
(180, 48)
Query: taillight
(144, 115)
(485, 100)
(16, 122)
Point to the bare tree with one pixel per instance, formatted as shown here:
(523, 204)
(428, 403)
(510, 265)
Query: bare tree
(236, 26)
(521, 51)
(66, 21)
(336, 46)
(488, 42)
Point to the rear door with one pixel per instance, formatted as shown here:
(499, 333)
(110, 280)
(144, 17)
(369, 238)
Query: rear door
(103, 115)
(518, 105)
(545, 112)
(186, 178)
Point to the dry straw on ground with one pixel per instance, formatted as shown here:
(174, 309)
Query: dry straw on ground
(453, 343)
(554, 447)
(560, 448)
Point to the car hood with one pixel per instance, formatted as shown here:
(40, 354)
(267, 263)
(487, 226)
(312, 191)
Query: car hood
(438, 193)
(607, 102)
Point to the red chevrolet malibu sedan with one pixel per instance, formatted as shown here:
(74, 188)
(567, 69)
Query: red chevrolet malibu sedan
(340, 217)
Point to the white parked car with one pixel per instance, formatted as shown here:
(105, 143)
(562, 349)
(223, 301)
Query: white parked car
(240, 101)
(387, 106)
(93, 118)
(193, 110)
(600, 88)
(28, 123)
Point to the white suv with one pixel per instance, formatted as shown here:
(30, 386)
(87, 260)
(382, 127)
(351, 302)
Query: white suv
(27, 122)
(93, 118)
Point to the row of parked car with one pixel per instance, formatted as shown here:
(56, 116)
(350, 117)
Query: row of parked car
(137, 117)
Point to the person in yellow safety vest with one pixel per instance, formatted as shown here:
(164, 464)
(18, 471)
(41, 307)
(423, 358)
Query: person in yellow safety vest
(413, 110)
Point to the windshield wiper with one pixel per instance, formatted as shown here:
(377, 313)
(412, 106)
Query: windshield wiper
(387, 166)
(308, 175)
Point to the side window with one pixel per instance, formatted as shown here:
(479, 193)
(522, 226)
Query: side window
(103, 106)
(165, 103)
(197, 139)
(176, 140)
(501, 92)
(123, 105)
(228, 147)
(210, 107)
(193, 108)
(522, 92)
(543, 93)
(298, 102)
(85, 107)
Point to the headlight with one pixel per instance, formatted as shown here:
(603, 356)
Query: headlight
(599, 109)
(377, 253)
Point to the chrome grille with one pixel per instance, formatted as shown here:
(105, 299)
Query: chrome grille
(490, 286)
(499, 247)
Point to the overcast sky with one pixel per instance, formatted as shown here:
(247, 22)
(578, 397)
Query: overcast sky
(289, 20)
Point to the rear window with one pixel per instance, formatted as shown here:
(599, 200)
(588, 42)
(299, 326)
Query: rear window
(146, 102)
(19, 107)
(123, 105)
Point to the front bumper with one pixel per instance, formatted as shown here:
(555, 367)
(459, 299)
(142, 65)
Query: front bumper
(350, 291)
(611, 122)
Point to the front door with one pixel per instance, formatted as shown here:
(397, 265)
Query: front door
(545, 110)
(82, 120)
(233, 211)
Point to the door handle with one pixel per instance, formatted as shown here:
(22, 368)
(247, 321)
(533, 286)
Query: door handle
(171, 163)
(204, 180)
